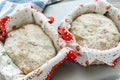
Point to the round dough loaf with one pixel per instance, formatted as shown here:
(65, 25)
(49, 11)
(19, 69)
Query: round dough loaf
(95, 31)
(29, 47)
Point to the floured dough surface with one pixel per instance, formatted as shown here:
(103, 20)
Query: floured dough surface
(29, 47)
(95, 31)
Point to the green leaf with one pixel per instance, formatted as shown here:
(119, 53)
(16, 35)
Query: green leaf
(107, 14)
(4, 53)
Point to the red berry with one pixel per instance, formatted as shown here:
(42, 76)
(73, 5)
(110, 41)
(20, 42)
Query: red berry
(72, 55)
(51, 19)
(1, 38)
(87, 63)
(3, 20)
(78, 47)
(115, 62)
(67, 36)
(2, 27)
(61, 30)
(4, 34)
(107, 7)
(118, 17)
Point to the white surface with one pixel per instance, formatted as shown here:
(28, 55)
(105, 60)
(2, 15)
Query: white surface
(74, 71)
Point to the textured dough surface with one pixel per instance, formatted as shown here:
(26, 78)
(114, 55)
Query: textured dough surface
(95, 31)
(29, 47)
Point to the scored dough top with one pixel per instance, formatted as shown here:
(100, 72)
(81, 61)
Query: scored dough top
(95, 31)
(29, 47)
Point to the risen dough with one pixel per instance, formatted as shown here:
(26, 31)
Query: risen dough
(29, 47)
(95, 31)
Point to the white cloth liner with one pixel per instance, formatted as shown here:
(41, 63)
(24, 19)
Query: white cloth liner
(8, 70)
(87, 55)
